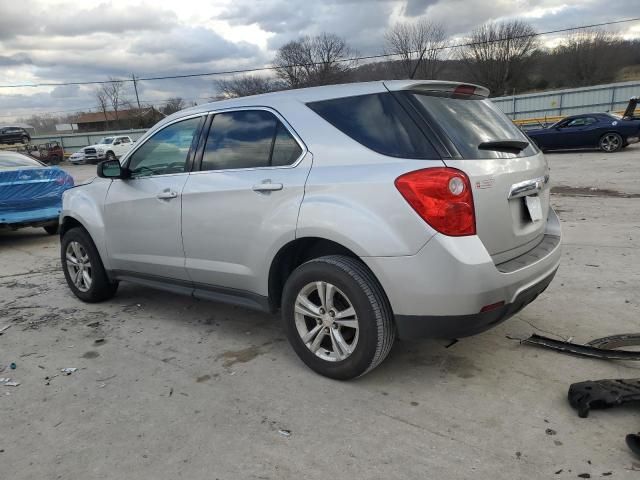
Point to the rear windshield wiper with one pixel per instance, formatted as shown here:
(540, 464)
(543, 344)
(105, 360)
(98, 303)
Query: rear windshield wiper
(508, 146)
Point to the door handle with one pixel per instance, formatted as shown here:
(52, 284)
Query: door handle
(167, 195)
(267, 186)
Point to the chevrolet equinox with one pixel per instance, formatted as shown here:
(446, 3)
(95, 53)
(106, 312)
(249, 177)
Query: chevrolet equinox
(362, 212)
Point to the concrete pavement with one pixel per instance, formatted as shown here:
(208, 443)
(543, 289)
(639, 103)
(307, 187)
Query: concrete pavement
(172, 387)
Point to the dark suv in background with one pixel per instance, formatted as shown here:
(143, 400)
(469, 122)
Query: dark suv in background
(11, 135)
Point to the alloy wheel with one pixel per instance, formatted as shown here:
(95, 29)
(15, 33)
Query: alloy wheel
(610, 143)
(79, 266)
(326, 321)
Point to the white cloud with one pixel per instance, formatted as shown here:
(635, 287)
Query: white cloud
(67, 40)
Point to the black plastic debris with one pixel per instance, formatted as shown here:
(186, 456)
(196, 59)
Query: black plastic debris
(598, 394)
(633, 442)
(604, 348)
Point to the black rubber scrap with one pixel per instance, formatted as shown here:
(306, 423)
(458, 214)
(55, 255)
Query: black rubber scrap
(633, 442)
(605, 348)
(584, 396)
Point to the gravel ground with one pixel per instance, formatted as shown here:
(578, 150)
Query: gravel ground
(170, 387)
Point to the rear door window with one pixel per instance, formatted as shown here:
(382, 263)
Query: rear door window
(248, 139)
(469, 121)
(378, 122)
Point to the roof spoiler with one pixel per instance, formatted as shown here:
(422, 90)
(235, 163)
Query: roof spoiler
(437, 86)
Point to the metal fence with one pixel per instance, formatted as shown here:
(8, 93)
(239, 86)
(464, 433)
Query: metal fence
(72, 142)
(555, 103)
(599, 98)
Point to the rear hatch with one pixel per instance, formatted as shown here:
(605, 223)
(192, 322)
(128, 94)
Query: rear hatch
(508, 174)
(28, 188)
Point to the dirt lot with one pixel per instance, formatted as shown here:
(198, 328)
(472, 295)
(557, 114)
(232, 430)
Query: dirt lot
(170, 387)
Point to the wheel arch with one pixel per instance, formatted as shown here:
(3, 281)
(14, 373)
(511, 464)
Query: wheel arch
(68, 222)
(295, 253)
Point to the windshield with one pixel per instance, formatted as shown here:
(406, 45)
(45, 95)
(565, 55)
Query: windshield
(12, 160)
(106, 141)
(470, 121)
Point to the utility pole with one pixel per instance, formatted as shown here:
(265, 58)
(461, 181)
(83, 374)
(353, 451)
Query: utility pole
(135, 87)
(413, 74)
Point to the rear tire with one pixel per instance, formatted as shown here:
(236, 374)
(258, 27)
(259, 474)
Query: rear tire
(51, 229)
(610, 142)
(354, 322)
(55, 160)
(83, 267)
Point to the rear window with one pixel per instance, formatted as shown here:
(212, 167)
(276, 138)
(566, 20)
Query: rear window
(470, 121)
(378, 122)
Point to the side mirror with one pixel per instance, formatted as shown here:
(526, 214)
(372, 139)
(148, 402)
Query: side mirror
(112, 169)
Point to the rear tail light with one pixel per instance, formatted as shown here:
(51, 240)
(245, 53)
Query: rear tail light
(442, 197)
(65, 180)
(464, 90)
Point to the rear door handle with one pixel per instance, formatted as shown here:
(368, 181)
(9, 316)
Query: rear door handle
(267, 186)
(167, 195)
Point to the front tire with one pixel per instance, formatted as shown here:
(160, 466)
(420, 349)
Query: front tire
(24, 140)
(111, 156)
(610, 142)
(337, 317)
(83, 267)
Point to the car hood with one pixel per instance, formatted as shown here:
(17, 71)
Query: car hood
(97, 145)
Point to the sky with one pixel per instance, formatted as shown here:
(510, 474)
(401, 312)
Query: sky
(60, 41)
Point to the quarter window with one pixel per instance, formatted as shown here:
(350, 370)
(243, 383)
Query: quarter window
(248, 139)
(166, 151)
(378, 122)
(285, 148)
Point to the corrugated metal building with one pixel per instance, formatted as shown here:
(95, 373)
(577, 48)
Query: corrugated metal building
(598, 98)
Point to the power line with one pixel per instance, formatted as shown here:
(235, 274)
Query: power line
(273, 67)
(88, 108)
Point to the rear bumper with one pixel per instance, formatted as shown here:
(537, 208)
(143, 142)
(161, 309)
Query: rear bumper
(457, 326)
(441, 291)
(35, 217)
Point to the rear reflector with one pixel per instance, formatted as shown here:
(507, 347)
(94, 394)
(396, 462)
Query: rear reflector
(442, 197)
(493, 306)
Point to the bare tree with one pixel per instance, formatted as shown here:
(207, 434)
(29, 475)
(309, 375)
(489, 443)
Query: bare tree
(103, 103)
(247, 85)
(173, 105)
(114, 93)
(589, 57)
(497, 54)
(420, 48)
(310, 61)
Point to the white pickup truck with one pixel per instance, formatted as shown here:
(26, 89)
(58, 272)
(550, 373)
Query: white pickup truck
(108, 148)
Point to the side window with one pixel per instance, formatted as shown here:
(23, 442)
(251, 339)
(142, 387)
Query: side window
(248, 139)
(578, 122)
(378, 122)
(124, 140)
(285, 148)
(166, 151)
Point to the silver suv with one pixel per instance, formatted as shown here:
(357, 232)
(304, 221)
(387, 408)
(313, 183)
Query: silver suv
(363, 212)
